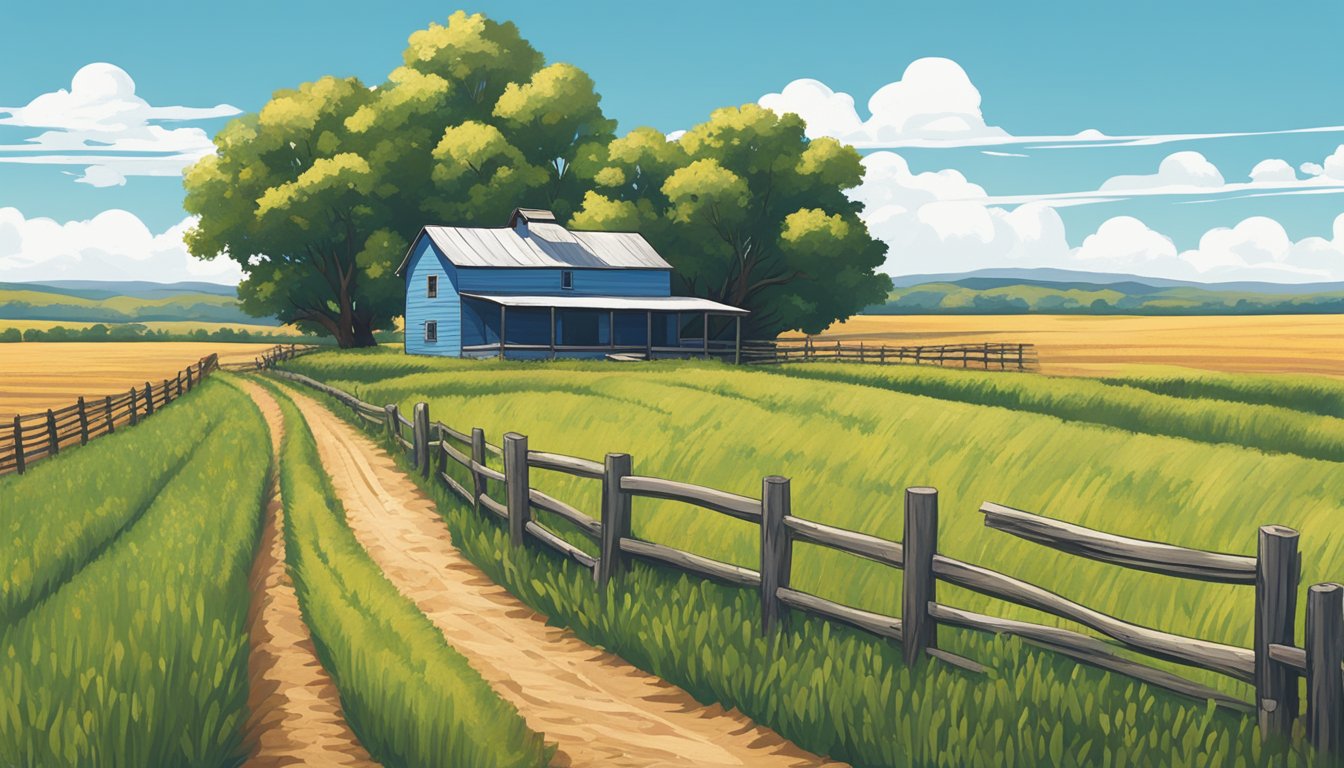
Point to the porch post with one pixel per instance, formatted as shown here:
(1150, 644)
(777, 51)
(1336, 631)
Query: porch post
(648, 336)
(552, 333)
(737, 344)
(502, 319)
(705, 348)
(611, 328)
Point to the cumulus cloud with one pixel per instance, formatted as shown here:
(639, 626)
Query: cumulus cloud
(114, 245)
(101, 124)
(940, 221)
(934, 100)
(1273, 169)
(1333, 166)
(1179, 170)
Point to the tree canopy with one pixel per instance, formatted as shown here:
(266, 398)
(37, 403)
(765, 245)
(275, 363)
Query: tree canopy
(749, 211)
(317, 194)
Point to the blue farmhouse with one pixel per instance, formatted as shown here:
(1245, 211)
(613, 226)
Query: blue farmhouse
(534, 289)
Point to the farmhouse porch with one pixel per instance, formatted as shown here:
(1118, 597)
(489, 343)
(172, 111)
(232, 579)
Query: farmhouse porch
(638, 327)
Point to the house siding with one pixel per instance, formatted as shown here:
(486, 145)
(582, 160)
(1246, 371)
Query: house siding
(546, 281)
(445, 309)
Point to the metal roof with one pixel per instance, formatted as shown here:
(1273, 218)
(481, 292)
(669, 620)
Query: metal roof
(642, 303)
(539, 242)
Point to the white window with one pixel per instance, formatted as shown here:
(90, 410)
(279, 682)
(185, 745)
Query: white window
(431, 330)
(432, 286)
(566, 280)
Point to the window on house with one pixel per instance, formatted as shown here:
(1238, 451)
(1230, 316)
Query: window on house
(567, 280)
(432, 289)
(431, 330)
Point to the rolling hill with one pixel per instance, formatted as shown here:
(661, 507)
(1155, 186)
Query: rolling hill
(123, 302)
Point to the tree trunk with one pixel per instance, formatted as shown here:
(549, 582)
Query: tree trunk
(363, 331)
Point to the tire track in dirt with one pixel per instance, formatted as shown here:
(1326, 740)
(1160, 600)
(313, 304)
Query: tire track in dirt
(598, 709)
(295, 710)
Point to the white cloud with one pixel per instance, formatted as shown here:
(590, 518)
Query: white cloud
(933, 101)
(114, 245)
(1273, 169)
(935, 104)
(100, 123)
(1312, 169)
(1334, 164)
(939, 221)
(1177, 171)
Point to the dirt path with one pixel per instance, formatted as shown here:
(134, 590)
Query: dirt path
(600, 710)
(295, 709)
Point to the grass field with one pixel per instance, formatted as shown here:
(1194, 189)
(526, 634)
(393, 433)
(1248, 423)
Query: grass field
(411, 698)
(123, 636)
(36, 376)
(1091, 346)
(850, 449)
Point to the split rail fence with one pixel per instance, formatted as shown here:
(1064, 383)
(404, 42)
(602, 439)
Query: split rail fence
(983, 356)
(270, 357)
(1272, 666)
(35, 436)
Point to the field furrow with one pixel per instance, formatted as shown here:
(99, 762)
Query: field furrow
(295, 715)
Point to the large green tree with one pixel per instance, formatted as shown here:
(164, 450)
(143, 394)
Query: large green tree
(749, 212)
(316, 195)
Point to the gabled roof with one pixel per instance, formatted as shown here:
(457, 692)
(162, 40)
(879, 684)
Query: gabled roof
(535, 240)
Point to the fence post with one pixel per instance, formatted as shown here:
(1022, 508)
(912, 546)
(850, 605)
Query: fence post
(776, 550)
(167, 393)
(53, 443)
(1277, 570)
(516, 483)
(179, 383)
(83, 422)
(149, 400)
(1325, 682)
(393, 422)
(18, 445)
(189, 382)
(919, 630)
(107, 415)
(134, 408)
(420, 434)
(478, 456)
(615, 517)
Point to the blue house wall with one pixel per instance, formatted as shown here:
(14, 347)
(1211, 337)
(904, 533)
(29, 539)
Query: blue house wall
(445, 309)
(460, 325)
(526, 281)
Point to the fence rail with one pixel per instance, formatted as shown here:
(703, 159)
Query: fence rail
(34, 436)
(1273, 665)
(984, 356)
(270, 357)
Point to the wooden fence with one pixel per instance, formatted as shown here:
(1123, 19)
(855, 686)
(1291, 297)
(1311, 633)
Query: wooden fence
(1272, 665)
(984, 356)
(34, 436)
(270, 357)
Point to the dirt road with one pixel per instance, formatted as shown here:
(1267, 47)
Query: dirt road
(295, 709)
(598, 709)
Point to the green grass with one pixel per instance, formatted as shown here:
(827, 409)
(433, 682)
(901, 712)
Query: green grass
(140, 657)
(1308, 394)
(412, 699)
(64, 511)
(851, 450)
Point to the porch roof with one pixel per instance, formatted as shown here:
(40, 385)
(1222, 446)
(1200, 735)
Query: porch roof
(639, 303)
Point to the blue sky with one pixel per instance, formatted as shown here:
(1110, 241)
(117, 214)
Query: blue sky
(1039, 70)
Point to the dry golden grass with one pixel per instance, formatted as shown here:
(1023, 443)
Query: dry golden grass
(1075, 345)
(39, 375)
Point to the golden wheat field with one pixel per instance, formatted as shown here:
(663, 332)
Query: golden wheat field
(1073, 345)
(39, 375)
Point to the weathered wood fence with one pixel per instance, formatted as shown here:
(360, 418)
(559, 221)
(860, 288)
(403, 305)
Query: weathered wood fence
(270, 357)
(1272, 665)
(984, 356)
(34, 436)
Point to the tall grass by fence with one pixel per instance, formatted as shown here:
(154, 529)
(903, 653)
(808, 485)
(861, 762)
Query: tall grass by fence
(34, 436)
(1273, 665)
(983, 356)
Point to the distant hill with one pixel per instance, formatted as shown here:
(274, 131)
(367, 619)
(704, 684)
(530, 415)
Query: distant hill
(1055, 291)
(123, 302)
